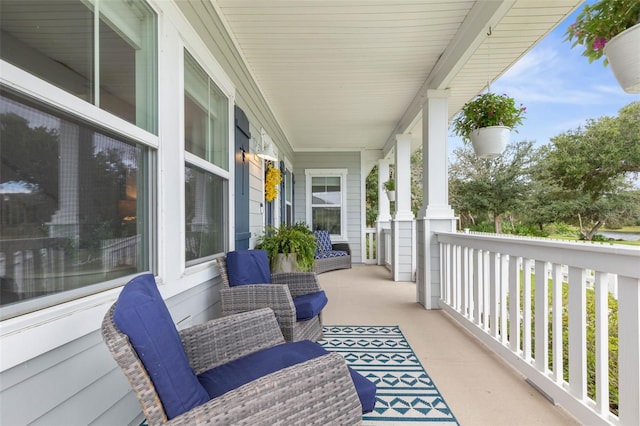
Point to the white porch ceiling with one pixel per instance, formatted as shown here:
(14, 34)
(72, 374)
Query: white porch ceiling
(350, 74)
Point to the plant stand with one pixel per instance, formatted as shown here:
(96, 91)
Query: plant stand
(623, 54)
(490, 142)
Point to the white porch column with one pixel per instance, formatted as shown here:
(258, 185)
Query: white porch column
(384, 215)
(436, 213)
(402, 224)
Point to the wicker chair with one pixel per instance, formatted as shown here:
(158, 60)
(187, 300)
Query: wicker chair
(330, 256)
(315, 392)
(278, 296)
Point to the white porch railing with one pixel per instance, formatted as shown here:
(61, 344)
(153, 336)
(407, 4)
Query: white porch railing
(508, 291)
(386, 253)
(370, 246)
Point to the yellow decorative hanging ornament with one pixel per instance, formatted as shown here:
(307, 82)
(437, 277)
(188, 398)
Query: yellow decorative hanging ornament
(273, 179)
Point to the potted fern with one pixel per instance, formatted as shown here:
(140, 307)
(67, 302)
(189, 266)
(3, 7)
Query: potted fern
(289, 248)
(611, 28)
(487, 122)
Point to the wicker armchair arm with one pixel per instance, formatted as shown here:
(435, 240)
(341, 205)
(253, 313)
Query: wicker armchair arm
(299, 283)
(224, 339)
(316, 392)
(341, 246)
(245, 298)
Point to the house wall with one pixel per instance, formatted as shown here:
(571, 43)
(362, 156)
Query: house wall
(54, 367)
(334, 160)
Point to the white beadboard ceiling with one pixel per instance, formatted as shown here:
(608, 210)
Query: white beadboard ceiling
(350, 74)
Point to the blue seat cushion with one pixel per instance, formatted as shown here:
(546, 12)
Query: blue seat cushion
(248, 267)
(234, 374)
(309, 305)
(142, 315)
(332, 253)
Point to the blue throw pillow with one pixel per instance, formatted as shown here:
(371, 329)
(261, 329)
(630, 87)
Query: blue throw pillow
(324, 240)
(248, 267)
(142, 315)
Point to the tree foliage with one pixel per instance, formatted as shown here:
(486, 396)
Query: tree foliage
(592, 166)
(490, 187)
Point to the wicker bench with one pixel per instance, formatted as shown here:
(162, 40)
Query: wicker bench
(330, 256)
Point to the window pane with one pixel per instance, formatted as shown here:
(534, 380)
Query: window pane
(327, 218)
(288, 184)
(74, 206)
(206, 116)
(55, 40)
(325, 190)
(128, 83)
(52, 39)
(206, 219)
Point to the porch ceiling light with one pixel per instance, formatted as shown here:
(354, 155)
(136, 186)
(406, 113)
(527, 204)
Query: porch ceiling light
(265, 149)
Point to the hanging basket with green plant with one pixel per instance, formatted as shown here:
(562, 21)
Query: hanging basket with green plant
(487, 122)
(611, 28)
(486, 110)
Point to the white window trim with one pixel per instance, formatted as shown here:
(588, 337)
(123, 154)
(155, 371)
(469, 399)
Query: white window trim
(342, 173)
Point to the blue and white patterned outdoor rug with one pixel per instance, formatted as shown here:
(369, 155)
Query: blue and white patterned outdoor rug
(406, 394)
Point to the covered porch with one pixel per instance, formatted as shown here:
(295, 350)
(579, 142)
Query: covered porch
(480, 388)
(332, 88)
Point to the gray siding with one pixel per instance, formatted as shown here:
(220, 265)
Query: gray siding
(79, 383)
(355, 202)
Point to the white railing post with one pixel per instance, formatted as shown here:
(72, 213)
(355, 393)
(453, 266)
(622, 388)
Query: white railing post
(542, 316)
(577, 333)
(514, 305)
(629, 349)
(602, 341)
(557, 350)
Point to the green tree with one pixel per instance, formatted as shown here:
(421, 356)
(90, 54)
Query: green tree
(493, 187)
(594, 164)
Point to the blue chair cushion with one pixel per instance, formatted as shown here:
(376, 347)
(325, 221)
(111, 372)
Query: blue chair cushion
(248, 267)
(141, 314)
(309, 305)
(324, 241)
(332, 253)
(234, 374)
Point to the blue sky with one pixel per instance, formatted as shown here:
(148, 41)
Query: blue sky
(560, 88)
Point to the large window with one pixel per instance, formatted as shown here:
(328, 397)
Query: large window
(206, 119)
(110, 61)
(326, 200)
(74, 207)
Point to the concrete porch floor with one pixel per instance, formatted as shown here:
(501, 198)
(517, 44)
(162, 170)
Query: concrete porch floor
(479, 387)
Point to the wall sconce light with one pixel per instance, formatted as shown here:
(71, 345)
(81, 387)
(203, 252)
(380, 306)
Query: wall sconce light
(265, 148)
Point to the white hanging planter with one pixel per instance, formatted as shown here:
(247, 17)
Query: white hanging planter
(391, 195)
(623, 53)
(490, 142)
